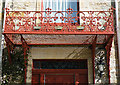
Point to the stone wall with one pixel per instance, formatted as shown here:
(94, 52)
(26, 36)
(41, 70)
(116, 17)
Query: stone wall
(119, 12)
(118, 71)
(89, 5)
(113, 77)
(23, 5)
(0, 40)
(95, 5)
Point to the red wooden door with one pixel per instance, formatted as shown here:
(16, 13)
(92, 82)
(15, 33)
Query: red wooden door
(59, 76)
(64, 79)
(35, 79)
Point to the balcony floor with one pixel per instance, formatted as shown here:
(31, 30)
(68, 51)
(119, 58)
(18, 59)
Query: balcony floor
(38, 39)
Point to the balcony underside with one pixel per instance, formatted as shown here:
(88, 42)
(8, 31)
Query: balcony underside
(37, 39)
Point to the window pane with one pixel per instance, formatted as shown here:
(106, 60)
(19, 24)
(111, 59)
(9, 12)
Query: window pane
(60, 5)
(65, 64)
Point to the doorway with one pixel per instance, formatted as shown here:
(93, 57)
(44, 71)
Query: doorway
(59, 71)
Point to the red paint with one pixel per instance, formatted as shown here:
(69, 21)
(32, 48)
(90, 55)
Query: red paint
(9, 55)
(62, 32)
(10, 47)
(63, 76)
(93, 54)
(36, 79)
(108, 49)
(31, 44)
(48, 27)
(25, 47)
(69, 26)
(41, 5)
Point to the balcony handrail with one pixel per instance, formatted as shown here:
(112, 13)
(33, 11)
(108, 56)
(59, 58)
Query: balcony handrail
(68, 21)
(7, 9)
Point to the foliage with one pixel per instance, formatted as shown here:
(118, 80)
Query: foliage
(13, 73)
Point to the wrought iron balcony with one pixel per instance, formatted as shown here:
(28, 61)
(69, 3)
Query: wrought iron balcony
(92, 28)
(59, 22)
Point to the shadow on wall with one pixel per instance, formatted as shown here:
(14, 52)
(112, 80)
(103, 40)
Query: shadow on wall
(75, 54)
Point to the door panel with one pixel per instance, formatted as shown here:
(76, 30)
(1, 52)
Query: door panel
(66, 79)
(35, 79)
(83, 79)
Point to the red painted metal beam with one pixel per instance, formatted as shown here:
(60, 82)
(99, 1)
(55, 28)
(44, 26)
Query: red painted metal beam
(108, 39)
(24, 43)
(93, 54)
(25, 47)
(30, 44)
(79, 33)
(10, 47)
(108, 49)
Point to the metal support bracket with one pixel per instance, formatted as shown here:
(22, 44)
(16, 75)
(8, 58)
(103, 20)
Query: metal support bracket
(93, 54)
(25, 47)
(108, 49)
(10, 47)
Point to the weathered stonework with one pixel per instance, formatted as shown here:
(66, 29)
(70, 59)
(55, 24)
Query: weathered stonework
(113, 78)
(0, 40)
(118, 70)
(119, 12)
(21, 5)
(95, 5)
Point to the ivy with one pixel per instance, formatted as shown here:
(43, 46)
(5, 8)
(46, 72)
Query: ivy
(13, 73)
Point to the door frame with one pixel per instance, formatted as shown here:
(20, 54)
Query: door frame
(75, 72)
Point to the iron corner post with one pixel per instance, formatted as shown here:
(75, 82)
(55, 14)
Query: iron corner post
(93, 55)
(25, 48)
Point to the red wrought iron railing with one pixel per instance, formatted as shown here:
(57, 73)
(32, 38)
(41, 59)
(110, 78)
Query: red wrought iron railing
(59, 22)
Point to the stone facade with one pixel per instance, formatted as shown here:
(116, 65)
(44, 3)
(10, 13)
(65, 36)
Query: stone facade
(119, 11)
(118, 71)
(22, 5)
(95, 5)
(113, 77)
(56, 52)
(0, 39)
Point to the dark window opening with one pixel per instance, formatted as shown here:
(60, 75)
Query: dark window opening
(60, 64)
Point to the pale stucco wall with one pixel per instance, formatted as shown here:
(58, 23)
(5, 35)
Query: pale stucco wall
(90, 5)
(23, 5)
(95, 5)
(118, 71)
(113, 77)
(119, 12)
(60, 53)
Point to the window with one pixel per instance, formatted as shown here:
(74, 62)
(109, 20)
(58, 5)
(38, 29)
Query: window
(60, 64)
(60, 5)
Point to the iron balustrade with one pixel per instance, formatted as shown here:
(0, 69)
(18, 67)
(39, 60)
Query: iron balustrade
(59, 22)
